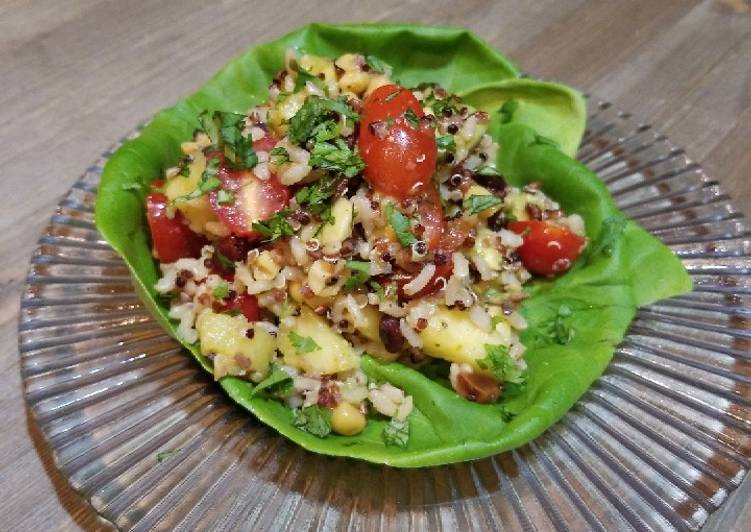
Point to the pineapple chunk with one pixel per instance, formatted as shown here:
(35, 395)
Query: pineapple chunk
(198, 211)
(332, 235)
(369, 327)
(485, 250)
(451, 335)
(315, 66)
(334, 353)
(224, 336)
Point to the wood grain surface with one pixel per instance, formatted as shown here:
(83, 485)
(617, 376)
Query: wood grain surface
(77, 75)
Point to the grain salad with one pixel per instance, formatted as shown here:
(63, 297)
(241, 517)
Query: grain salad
(350, 215)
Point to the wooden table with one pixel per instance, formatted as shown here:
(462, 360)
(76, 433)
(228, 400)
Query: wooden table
(77, 75)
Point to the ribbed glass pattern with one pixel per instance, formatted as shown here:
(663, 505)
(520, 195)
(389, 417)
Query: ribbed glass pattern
(658, 442)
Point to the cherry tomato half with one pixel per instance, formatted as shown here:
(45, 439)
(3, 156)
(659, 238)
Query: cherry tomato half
(171, 237)
(399, 151)
(548, 249)
(251, 200)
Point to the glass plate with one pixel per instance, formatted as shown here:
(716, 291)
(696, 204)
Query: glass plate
(658, 442)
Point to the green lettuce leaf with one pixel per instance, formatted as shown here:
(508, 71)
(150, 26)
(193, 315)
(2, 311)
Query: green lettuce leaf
(628, 267)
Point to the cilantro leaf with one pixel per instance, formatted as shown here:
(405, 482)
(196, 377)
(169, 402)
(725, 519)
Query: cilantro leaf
(315, 111)
(225, 197)
(315, 195)
(396, 433)
(313, 419)
(277, 383)
(478, 203)
(326, 130)
(488, 171)
(275, 227)
(208, 182)
(499, 362)
(378, 289)
(224, 260)
(337, 157)
(507, 111)
(279, 156)
(222, 290)
(303, 344)
(411, 117)
(378, 64)
(184, 171)
(303, 77)
(226, 133)
(360, 276)
(400, 224)
(446, 143)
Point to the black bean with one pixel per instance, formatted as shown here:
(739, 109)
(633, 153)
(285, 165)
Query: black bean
(390, 334)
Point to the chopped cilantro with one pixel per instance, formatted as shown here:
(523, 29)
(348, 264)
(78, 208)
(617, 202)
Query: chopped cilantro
(279, 156)
(275, 227)
(488, 171)
(498, 361)
(225, 197)
(184, 171)
(303, 77)
(337, 157)
(166, 455)
(326, 130)
(446, 143)
(478, 203)
(315, 195)
(378, 64)
(313, 419)
(277, 383)
(393, 95)
(303, 344)
(411, 117)
(315, 111)
(400, 224)
(226, 133)
(222, 290)
(208, 182)
(507, 111)
(360, 276)
(378, 289)
(224, 260)
(396, 433)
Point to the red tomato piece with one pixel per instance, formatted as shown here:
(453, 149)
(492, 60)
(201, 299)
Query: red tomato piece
(266, 143)
(252, 200)
(431, 216)
(438, 281)
(456, 234)
(246, 304)
(548, 249)
(400, 155)
(171, 237)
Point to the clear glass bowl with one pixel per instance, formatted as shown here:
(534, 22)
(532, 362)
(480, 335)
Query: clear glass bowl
(657, 442)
